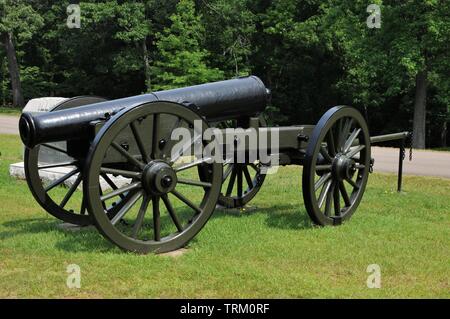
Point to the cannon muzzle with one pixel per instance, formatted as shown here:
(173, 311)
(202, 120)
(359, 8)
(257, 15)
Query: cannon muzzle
(214, 101)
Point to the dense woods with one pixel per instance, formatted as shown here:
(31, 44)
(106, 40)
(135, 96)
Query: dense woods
(313, 54)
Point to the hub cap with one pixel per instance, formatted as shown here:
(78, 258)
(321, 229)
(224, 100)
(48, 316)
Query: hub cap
(343, 167)
(159, 178)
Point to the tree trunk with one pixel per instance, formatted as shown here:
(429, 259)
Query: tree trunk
(420, 108)
(444, 134)
(13, 67)
(148, 79)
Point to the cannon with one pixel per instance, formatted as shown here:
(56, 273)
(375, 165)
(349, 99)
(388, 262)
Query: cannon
(152, 174)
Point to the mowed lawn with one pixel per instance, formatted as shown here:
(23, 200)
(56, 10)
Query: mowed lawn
(272, 251)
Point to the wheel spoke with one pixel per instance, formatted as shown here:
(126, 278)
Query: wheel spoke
(338, 136)
(351, 139)
(329, 198)
(55, 148)
(139, 142)
(175, 126)
(155, 137)
(325, 154)
(227, 172)
(61, 180)
(324, 193)
(337, 201)
(194, 183)
(110, 183)
(330, 143)
(187, 147)
(127, 174)
(231, 182)
(72, 190)
(239, 181)
(172, 213)
(344, 194)
(121, 191)
(126, 208)
(321, 181)
(156, 218)
(141, 215)
(352, 182)
(355, 151)
(346, 131)
(74, 163)
(193, 164)
(248, 177)
(187, 201)
(127, 155)
(83, 206)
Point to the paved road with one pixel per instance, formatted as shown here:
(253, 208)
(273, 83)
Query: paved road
(9, 124)
(425, 163)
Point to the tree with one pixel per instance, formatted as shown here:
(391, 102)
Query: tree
(181, 61)
(404, 55)
(231, 26)
(18, 22)
(295, 62)
(134, 29)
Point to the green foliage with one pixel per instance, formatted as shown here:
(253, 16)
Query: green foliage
(20, 19)
(312, 54)
(181, 58)
(230, 38)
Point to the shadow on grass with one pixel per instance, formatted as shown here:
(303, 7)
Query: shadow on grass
(86, 239)
(277, 216)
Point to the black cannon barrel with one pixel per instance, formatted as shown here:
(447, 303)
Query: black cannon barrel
(215, 101)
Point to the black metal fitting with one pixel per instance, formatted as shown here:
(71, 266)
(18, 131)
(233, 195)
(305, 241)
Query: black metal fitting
(162, 143)
(303, 138)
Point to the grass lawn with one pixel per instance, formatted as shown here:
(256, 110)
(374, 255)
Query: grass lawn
(273, 251)
(442, 149)
(10, 111)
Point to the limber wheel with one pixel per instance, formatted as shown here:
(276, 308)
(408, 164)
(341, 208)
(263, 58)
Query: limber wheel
(65, 204)
(241, 181)
(336, 166)
(169, 203)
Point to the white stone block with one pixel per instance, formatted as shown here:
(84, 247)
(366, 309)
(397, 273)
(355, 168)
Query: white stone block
(50, 175)
(44, 104)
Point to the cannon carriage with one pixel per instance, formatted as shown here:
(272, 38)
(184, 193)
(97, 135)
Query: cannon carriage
(147, 184)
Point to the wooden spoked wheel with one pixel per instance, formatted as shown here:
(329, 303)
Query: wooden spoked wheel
(337, 166)
(242, 181)
(169, 203)
(64, 203)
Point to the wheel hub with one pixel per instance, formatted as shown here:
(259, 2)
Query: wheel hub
(159, 178)
(343, 167)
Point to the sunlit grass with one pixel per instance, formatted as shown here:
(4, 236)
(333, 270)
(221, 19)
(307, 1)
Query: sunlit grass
(270, 251)
(10, 111)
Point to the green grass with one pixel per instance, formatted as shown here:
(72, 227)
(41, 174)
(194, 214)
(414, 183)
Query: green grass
(273, 251)
(442, 149)
(10, 111)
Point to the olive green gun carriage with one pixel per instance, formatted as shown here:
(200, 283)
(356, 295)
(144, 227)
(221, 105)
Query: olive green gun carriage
(148, 191)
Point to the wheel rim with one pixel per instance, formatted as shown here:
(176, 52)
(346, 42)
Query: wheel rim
(156, 181)
(337, 166)
(66, 205)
